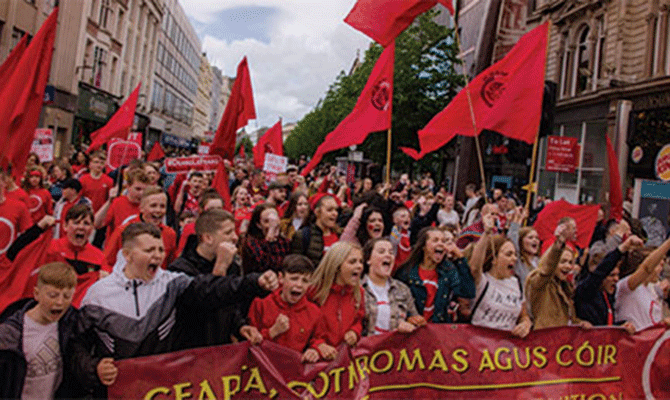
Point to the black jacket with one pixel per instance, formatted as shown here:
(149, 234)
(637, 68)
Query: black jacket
(215, 327)
(12, 358)
(590, 302)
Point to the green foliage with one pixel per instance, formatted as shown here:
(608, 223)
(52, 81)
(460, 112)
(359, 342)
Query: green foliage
(248, 145)
(425, 81)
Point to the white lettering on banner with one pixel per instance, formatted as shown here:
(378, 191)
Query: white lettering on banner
(184, 164)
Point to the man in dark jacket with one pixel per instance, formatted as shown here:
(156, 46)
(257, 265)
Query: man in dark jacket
(212, 250)
(34, 337)
(140, 311)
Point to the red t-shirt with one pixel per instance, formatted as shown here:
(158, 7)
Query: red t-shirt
(241, 214)
(404, 248)
(40, 203)
(191, 204)
(18, 194)
(120, 211)
(114, 243)
(189, 229)
(329, 240)
(14, 219)
(429, 278)
(96, 189)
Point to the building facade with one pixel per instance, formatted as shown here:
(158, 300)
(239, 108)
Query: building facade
(610, 61)
(175, 80)
(202, 113)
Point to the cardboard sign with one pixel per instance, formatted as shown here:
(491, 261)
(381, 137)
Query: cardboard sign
(562, 154)
(121, 152)
(181, 165)
(274, 165)
(43, 144)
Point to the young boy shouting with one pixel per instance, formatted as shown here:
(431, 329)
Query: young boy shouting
(286, 316)
(34, 338)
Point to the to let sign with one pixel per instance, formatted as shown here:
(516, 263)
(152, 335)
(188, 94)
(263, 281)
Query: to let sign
(562, 154)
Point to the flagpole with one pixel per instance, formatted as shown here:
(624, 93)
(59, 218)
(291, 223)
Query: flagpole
(472, 111)
(388, 155)
(531, 178)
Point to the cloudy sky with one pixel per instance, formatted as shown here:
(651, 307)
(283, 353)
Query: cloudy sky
(295, 48)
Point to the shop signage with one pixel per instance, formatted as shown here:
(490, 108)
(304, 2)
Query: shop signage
(43, 144)
(662, 164)
(562, 154)
(182, 165)
(94, 106)
(637, 154)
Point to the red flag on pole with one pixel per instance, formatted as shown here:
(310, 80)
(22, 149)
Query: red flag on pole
(15, 282)
(23, 94)
(616, 194)
(221, 184)
(7, 67)
(547, 220)
(384, 20)
(239, 110)
(371, 113)
(156, 152)
(119, 124)
(271, 142)
(506, 98)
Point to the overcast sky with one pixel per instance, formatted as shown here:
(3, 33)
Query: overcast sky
(295, 48)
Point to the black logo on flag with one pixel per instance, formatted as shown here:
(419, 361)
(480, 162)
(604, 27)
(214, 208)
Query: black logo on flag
(493, 87)
(381, 95)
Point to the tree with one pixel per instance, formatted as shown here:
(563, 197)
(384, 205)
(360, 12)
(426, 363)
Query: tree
(425, 81)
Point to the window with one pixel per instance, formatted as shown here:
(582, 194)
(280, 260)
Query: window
(583, 61)
(98, 63)
(17, 34)
(599, 69)
(105, 10)
(565, 67)
(157, 97)
(119, 24)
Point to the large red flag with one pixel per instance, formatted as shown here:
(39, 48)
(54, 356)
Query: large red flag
(371, 113)
(119, 124)
(239, 110)
(585, 216)
(384, 20)
(271, 142)
(221, 184)
(506, 98)
(22, 97)
(616, 194)
(18, 281)
(12, 60)
(156, 152)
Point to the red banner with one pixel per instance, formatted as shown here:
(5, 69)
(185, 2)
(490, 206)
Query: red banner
(438, 361)
(562, 154)
(181, 165)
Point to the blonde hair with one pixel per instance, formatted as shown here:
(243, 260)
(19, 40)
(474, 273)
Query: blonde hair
(326, 272)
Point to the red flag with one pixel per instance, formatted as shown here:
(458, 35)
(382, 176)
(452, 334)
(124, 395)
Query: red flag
(119, 124)
(384, 20)
(156, 152)
(7, 67)
(371, 113)
(271, 142)
(506, 98)
(616, 194)
(22, 97)
(221, 184)
(585, 216)
(239, 110)
(18, 281)
(242, 153)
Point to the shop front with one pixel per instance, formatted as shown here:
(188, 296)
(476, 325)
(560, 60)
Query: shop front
(94, 107)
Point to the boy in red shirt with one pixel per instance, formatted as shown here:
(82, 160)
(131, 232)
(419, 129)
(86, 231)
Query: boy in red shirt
(153, 207)
(96, 185)
(14, 219)
(116, 211)
(286, 316)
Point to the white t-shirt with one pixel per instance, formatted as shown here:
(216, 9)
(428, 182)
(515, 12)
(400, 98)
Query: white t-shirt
(44, 364)
(641, 306)
(447, 217)
(381, 294)
(501, 305)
